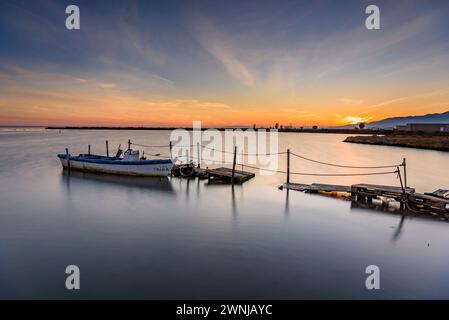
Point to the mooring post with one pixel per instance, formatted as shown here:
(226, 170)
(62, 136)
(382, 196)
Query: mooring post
(404, 195)
(88, 149)
(171, 147)
(233, 164)
(198, 154)
(242, 160)
(404, 164)
(107, 148)
(68, 159)
(129, 144)
(288, 166)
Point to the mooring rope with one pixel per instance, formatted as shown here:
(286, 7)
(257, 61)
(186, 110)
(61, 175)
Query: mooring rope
(306, 173)
(345, 166)
(275, 153)
(245, 154)
(147, 146)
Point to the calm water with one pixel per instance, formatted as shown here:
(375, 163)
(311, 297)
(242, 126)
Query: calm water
(179, 238)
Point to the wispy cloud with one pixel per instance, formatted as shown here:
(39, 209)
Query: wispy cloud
(350, 102)
(221, 47)
(106, 85)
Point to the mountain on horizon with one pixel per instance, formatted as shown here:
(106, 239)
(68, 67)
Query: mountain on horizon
(391, 123)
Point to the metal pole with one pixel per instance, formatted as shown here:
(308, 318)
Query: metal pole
(198, 154)
(288, 166)
(233, 164)
(68, 159)
(404, 164)
(107, 148)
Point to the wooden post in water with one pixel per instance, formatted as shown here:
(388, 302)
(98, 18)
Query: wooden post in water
(107, 148)
(129, 144)
(404, 164)
(198, 154)
(68, 159)
(88, 149)
(288, 166)
(171, 147)
(403, 190)
(242, 160)
(233, 165)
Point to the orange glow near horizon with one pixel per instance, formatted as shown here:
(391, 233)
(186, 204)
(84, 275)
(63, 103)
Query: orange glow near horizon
(71, 102)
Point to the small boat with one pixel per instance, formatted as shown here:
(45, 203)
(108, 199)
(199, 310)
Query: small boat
(131, 164)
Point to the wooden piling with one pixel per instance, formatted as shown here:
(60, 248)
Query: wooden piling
(404, 164)
(107, 148)
(288, 165)
(129, 144)
(171, 156)
(242, 160)
(68, 159)
(233, 165)
(400, 180)
(88, 149)
(198, 152)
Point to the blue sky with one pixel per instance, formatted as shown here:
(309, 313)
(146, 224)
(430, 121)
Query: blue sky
(223, 62)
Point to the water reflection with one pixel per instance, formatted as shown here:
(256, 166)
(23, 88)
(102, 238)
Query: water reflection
(162, 184)
(398, 230)
(214, 244)
(233, 203)
(287, 204)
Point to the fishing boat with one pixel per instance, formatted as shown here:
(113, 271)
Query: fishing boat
(130, 164)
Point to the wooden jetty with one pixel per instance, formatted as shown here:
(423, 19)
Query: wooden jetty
(224, 175)
(429, 203)
(200, 173)
(219, 175)
(434, 202)
(370, 191)
(440, 193)
(316, 187)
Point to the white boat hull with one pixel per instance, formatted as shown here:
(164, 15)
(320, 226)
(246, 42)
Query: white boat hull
(154, 170)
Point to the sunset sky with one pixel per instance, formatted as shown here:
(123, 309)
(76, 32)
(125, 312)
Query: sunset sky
(164, 63)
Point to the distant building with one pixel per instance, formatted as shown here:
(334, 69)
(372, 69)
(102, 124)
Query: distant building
(424, 127)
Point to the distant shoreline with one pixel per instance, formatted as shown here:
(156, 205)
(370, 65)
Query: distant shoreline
(364, 132)
(305, 130)
(429, 142)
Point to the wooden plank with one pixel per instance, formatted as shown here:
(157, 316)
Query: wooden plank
(431, 201)
(317, 187)
(380, 188)
(441, 193)
(225, 174)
